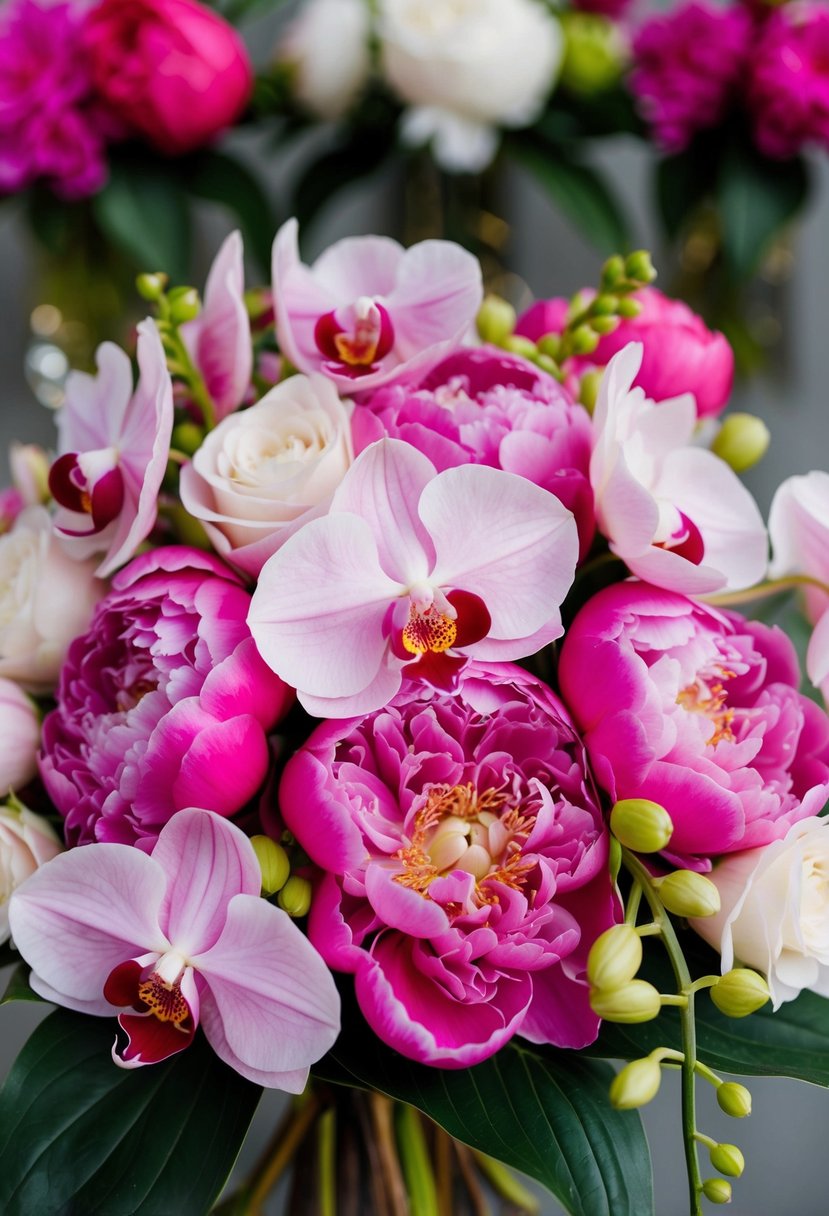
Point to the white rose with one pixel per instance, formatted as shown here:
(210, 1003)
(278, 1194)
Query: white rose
(775, 911)
(265, 471)
(20, 732)
(467, 67)
(328, 47)
(46, 600)
(26, 842)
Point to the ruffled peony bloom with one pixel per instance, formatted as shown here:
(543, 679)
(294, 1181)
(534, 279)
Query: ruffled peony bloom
(466, 69)
(410, 574)
(113, 450)
(680, 353)
(369, 310)
(269, 469)
(50, 126)
(788, 87)
(326, 46)
(177, 940)
(20, 732)
(676, 514)
(799, 534)
(687, 65)
(164, 704)
(481, 406)
(699, 711)
(26, 842)
(465, 865)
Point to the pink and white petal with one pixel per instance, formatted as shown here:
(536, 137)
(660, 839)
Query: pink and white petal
(817, 655)
(94, 407)
(626, 512)
(505, 540)
(436, 296)
(276, 1000)
(219, 338)
(317, 614)
(384, 686)
(299, 300)
(83, 913)
(506, 650)
(615, 386)
(207, 861)
(360, 266)
(799, 527)
(292, 1081)
(670, 570)
(383, 487)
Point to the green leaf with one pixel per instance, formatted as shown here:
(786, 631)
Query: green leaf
(144, 210)
(680, 184)
(756, 198)
(18, 988)
(80, 1135)
(223, 179)
(543, 1112)
(579, 191)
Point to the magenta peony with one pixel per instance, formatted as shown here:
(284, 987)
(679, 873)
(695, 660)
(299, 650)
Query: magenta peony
(163, 704)
(465, 865)
(698, 710)
(481, 406)
(788, 91)
(686, 66)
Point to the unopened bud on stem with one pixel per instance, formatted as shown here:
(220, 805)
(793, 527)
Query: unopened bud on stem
(636, 1084)
(641, 825)
(717, 1190)
(637, 1001)
(614, 957)
(273, 862)
(741, 441)
(686, 893)
(728, 1159)
(734, 1099)
(740, 992)
(496, 320)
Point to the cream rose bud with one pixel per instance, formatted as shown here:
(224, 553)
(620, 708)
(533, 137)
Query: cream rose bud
(20, 733)
(775, 911)
(467, 68)
(265, 471)
(327, 46)
(26, 842)
(46, 600)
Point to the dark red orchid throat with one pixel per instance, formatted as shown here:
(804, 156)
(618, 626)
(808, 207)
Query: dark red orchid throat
(686, 541)
(70, 487)
(162, 1024)
(430, 638)
(357, 347)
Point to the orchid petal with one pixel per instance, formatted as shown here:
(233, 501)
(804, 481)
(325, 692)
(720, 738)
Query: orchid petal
(817, 655)
(219, 338)
(379, 692)
(299, 300)
(360, 266)
(94, 408)
(437, 293)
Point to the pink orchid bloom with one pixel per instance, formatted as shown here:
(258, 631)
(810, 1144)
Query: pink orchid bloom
(219, 339)
(112, 452)
(368, 309)
(411, 573)
(676, 514)
(177, 939)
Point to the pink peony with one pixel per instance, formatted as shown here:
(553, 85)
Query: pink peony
(613, 9)
(172, 70)
(20, 731)
(698, 710)
(163, 704)
(681, 354)
(686, 67)
(465, 865)
(481, 406)
(50, 127)
(788, 89)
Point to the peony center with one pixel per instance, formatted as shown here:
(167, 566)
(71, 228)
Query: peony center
(709, 698)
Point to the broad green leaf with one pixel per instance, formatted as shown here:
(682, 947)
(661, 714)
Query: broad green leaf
(17, 988)
(756, 198)
(223, 179)
(144, 210)
(80, 1135)
(540, 1111)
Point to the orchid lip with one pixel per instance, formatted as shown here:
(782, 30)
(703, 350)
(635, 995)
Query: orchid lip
(356, 339)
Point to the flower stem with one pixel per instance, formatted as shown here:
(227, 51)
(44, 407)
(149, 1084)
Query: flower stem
(505, 1183)
(381, 1118)
(280, 1151)
(327, 1163)
(417, 1166)
(771, 587)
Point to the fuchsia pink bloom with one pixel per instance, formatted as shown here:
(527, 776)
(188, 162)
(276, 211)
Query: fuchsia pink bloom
(788, 88)
(411, 573)
(698, 710)
(676, 514)
(368, 310)
(465, 865)
(481, 406)
(176, 940)
(113, 451)
(163, 704)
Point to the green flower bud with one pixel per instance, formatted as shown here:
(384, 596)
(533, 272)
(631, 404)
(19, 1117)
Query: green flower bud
(550, 345)
(734, 1099)
(639, 267)
(589, 389)
(637, 1001)
(717, 1190)
(613, 272)
(151, 286)
(496, 320)
(518, 345)
(187, 437)
(636, 1084)
(740, 992)
(547, 365)
(629, 308)
(184, 304)
(594, 52)
(641, 825)
(295, 896)
(741, 441)
(615, 957)
(583, 341)
(605, 306)
(614, 860)
(273, 862)
(603, 325)
(686, 893)
(728, 1159)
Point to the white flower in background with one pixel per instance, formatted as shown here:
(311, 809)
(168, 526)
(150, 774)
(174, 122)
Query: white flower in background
(467, 67)
(26, 842)
(327, 44)
(799, 533)
(774, 913)
(20, 733)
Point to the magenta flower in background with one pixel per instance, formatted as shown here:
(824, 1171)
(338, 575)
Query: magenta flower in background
(788, 87)
(50, 125)
(113, 448)
(613, 9)
(687, 66)
(465, 865)
(163, 704)
(177, 940)
(410, 574)
(367, 310)
(698, 710)
(481, 406)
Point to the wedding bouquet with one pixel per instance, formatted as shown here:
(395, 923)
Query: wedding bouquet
(372, 694)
